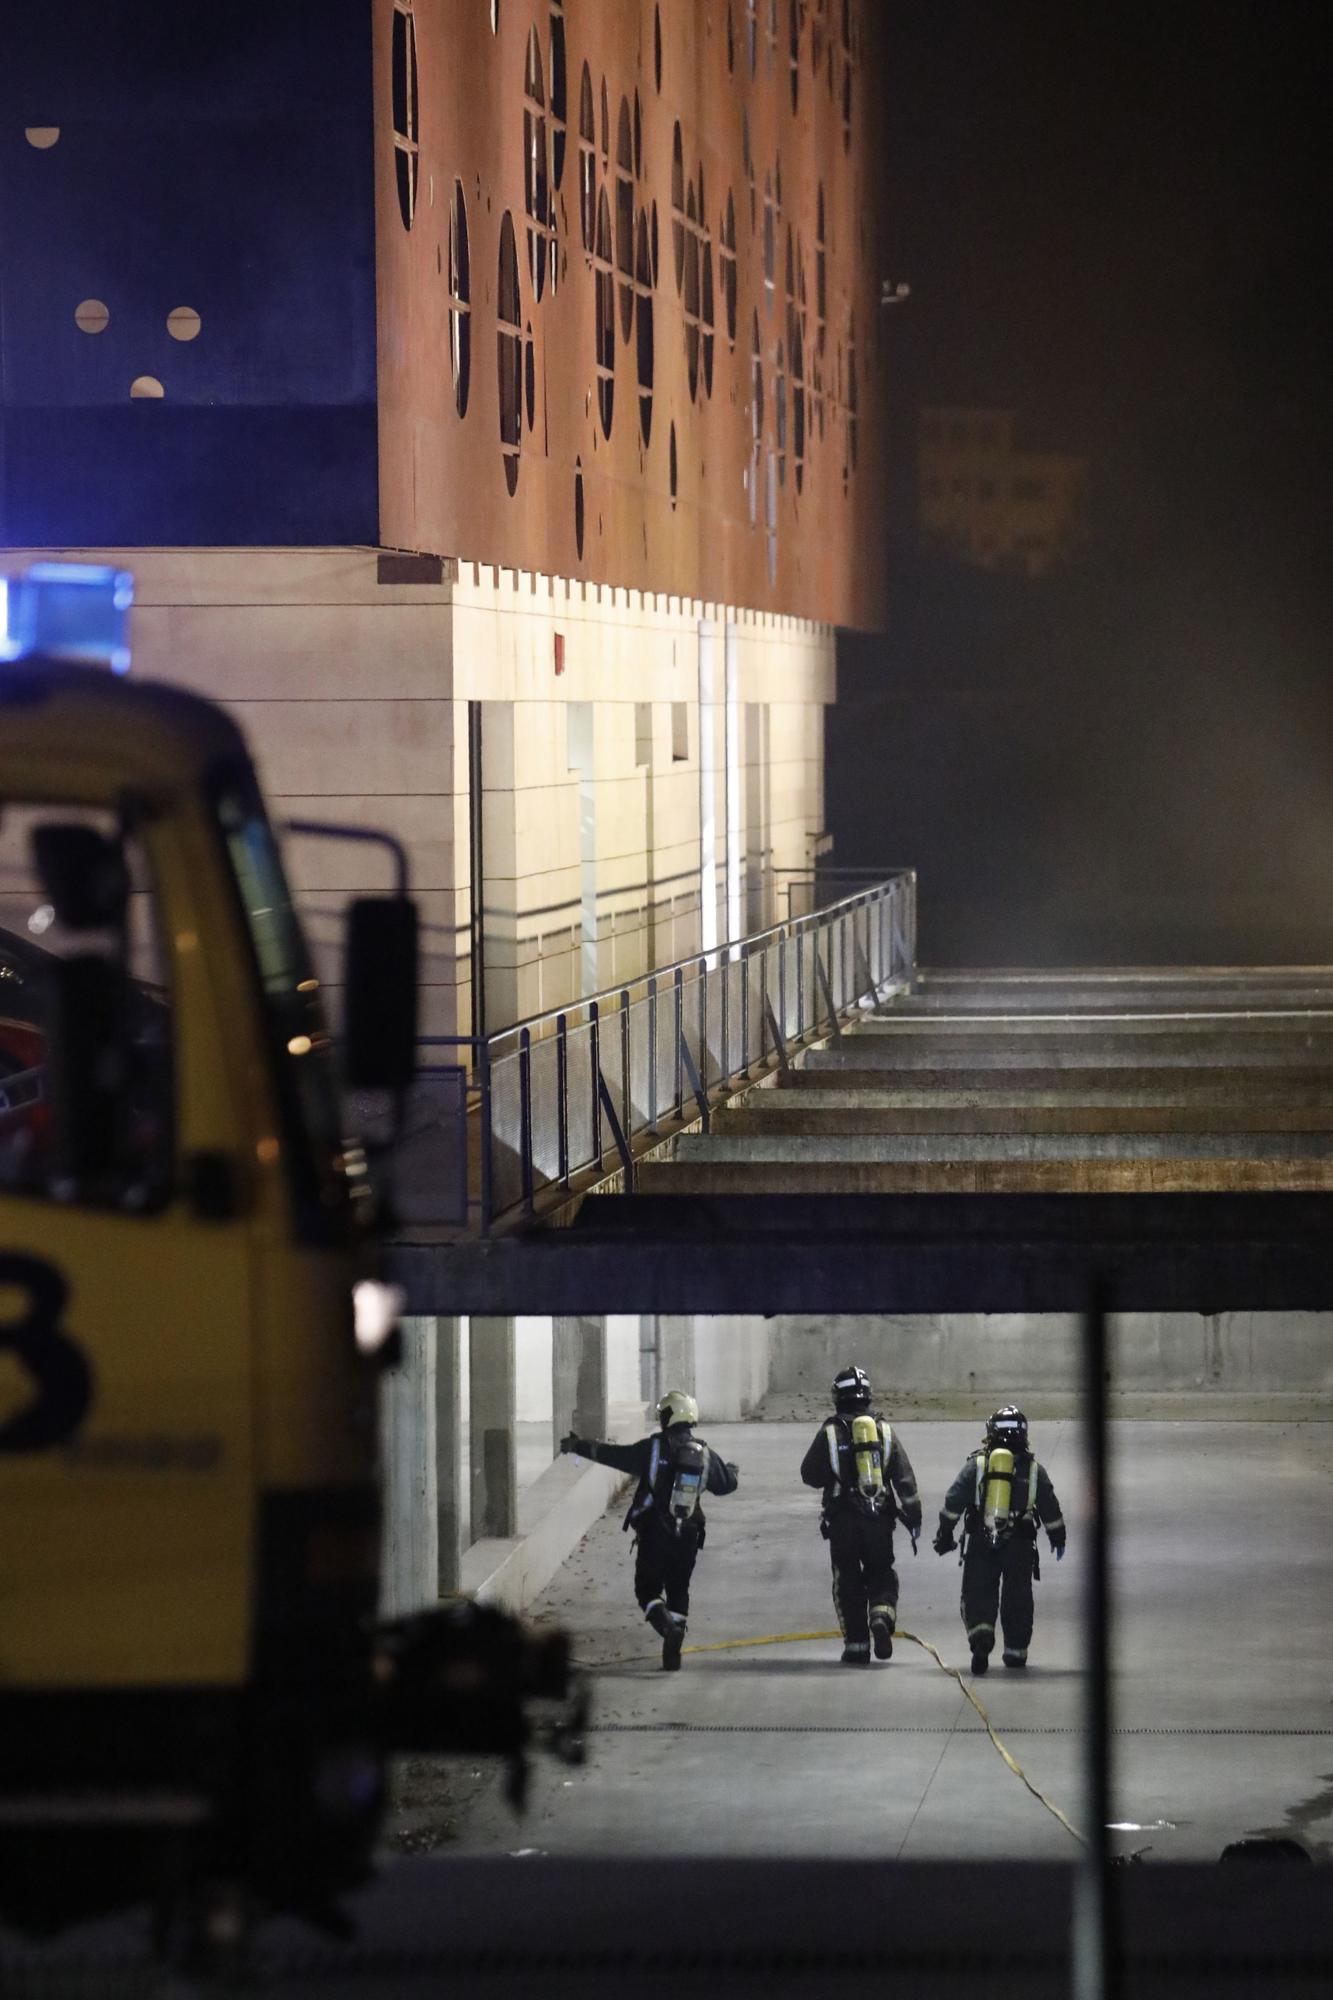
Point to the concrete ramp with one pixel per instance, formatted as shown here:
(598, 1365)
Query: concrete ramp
(1171, 1081)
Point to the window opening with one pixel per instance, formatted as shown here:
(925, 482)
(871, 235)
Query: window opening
(460, 300)
(752, 34)
(530, 377)
(587, 161)
(771, 35)
(643, 328)
(756, 418)
(606, 315)
(770, 243)
(403, 84)
(680, 732)
(638, 138)
(625, 219)
(794, 18)
(692, 292)
(558, 95)
(578, 507)
(509, 353)
(673, 468)
(706, 313)
(731, 41)
(727, 267)
(780, 410)
(852, 394)
(536, 185)
(678, 205)
(657, 47)
(643, 735)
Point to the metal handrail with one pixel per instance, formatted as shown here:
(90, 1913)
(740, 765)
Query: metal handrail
(554, 1094)
(727, 948)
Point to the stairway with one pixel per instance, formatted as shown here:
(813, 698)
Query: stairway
(1171, 1081)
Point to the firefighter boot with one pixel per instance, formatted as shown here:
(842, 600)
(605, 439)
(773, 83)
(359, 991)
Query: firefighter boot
(855, 1656)
(881, 1631)
(672, 1643)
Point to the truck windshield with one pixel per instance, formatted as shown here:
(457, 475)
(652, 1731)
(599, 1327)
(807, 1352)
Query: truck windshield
(327, 1173)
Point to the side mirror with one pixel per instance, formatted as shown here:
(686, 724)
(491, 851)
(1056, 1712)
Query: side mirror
(83, 873)
(380, 993)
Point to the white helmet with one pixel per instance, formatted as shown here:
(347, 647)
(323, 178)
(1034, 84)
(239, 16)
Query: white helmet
(677, 1408)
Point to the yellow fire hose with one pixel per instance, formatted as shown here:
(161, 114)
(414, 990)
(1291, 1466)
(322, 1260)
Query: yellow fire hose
(795, 1638)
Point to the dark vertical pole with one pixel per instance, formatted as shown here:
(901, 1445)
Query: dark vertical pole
(652, 1052)
(476, 869)
(745, 1010)
(1096, 1958)
(525, 1116)
(679, 1040)
(626, 1059)
(562, 1093)
(595, 1079)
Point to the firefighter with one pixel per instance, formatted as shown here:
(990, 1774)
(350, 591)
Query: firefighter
(674, 1469)
(1001, 1495)
(868, 1483)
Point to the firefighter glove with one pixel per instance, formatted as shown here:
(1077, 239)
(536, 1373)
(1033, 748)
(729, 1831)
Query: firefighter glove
(1059, 1549)
(943, 1542)
(572, 1443)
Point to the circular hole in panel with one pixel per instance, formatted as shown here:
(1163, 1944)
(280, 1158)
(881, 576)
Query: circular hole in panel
(91, 316)
(183, 323)
(43, 137)
(146, 388)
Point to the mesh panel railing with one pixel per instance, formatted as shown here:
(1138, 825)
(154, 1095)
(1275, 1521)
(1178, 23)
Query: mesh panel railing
(575, 1091)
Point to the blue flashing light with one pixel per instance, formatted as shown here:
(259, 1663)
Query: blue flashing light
(77, 612)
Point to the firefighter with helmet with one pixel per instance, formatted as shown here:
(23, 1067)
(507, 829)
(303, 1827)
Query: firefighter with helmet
(674, 1469)
(1001, 1496)
(868, 1483)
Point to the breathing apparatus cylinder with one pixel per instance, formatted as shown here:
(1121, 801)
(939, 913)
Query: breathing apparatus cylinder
(869, 1452)
(996, 1513)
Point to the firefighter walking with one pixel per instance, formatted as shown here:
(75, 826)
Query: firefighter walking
(1001, 1496)
(674, 1469)
(868, 1484)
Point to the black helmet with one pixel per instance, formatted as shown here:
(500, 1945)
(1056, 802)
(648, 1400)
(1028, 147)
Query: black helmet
(1008, 1427)
(851, 1389)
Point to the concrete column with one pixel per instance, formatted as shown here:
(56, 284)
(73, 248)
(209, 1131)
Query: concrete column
(409, 1565)
(450, 1494)
(494, 1467)
(675, 1365)
(578, 1378)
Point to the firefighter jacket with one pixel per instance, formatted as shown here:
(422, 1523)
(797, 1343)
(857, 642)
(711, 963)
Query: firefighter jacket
(650, 1462)
(1033, 1499)
(829, 1464)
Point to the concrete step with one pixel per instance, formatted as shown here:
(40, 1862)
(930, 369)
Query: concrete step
(766, 1111)
(741, 1148)
(1020, 1052)
(1214, 1024)
(1159, 1084)
(1082, 1176)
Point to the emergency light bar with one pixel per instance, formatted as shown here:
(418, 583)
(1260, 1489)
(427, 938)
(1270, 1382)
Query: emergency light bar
(77, 612)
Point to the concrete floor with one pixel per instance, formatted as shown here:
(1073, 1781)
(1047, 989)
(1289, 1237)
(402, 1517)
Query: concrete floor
(1224, 1634)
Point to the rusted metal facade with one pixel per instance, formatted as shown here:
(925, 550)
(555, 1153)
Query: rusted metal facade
(627, 294)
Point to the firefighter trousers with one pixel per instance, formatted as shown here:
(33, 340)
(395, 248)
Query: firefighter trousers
(864, 1579)
(663, 1564)
(999, 1580)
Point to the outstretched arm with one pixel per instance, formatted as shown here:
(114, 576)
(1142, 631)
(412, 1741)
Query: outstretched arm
(723, 1477)
(620, 1457)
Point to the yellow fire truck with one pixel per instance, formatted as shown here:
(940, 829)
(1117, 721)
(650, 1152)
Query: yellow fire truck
(192, 1683)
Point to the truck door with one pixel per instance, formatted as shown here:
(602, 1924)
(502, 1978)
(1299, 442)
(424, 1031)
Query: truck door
(126, 1419)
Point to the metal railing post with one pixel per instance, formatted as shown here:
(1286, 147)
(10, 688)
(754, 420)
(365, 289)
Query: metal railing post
(725, 972)
(679, 985)
(562, 1095)
(595, 1078)
(626, 1085)
(782, 983)
(525, 1116)
(652, 1052)
(703, 1023)
(745, 1010)
(800, 985)
(487, 1161)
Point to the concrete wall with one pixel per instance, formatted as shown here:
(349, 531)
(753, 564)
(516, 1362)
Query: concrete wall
(1012, 1354)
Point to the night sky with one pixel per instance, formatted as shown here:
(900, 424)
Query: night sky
(1114, 221)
